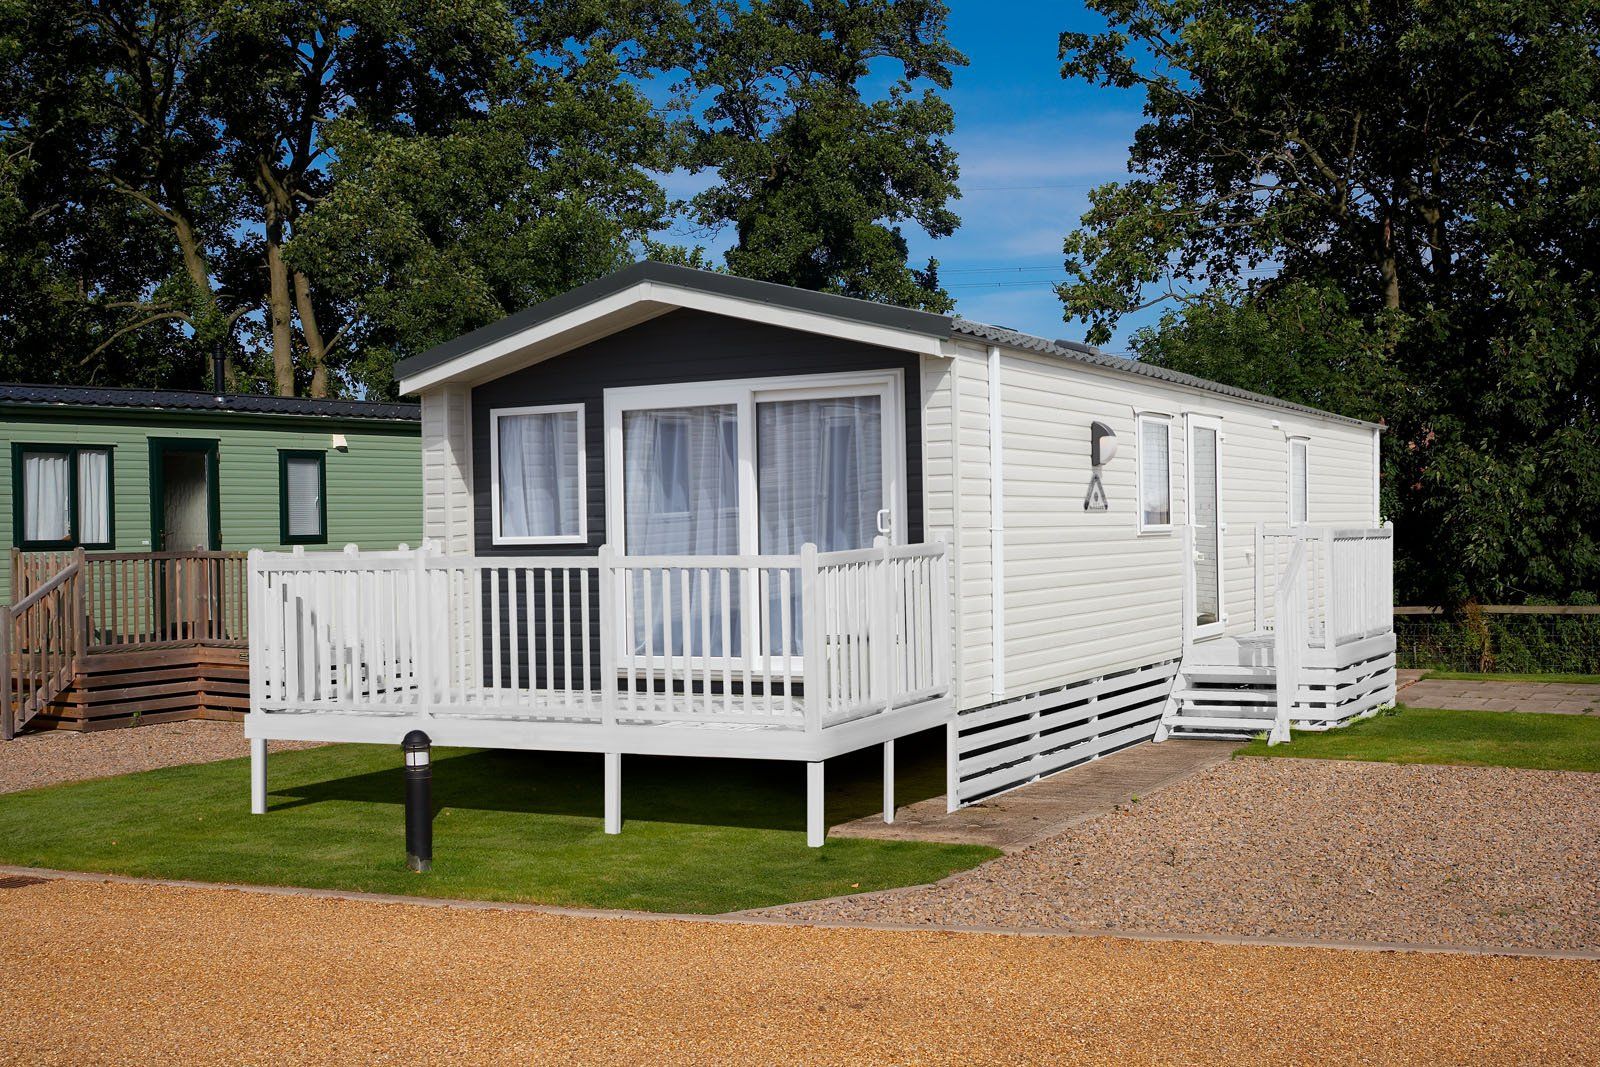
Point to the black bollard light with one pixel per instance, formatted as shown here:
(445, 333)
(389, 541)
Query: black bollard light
(419, 801)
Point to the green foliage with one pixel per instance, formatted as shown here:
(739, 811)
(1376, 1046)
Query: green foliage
(1466, 738)
(816, 178)
(1387, 210)
(700, 836)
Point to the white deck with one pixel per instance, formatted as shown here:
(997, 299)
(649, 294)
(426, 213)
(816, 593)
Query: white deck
(512, 652)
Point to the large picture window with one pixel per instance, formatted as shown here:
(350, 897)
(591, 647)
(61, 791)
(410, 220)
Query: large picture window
(1299, 481)
(62, 496)
(538, 466)
(1155, 473)
(302, 498)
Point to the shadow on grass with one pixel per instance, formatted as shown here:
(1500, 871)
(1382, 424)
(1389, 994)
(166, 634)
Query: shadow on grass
(754, 794)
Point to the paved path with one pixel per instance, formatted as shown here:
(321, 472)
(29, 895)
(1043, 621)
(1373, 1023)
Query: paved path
(139, 974)
(1045, 808)
(1556, 698)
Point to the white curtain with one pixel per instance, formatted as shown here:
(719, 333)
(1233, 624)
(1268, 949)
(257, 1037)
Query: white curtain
(681, 490)
(94, 496)
(1155, 474)
(304, 489)
(821, 480)
(46, 496)
(539, 491)
(821, 473)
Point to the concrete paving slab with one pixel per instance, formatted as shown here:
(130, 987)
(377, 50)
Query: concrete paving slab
(1044, 808)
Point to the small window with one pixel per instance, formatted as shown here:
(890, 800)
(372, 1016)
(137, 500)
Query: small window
(1299, 481)
(63, 496)
(302, 498)
(1155, 474)
(538, 467)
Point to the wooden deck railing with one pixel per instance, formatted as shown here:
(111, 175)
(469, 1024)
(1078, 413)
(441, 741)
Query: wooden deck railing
(801, 641)
(1348, 579)
(135, 600)
(41, 636)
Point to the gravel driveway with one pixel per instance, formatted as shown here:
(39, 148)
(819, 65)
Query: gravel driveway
(1302, 848)
(96, 973)
(52, 756)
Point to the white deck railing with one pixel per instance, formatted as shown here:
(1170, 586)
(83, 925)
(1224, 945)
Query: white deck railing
(1347, 579)
(802, 641)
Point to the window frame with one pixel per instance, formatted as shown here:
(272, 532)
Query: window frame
(495, 415)
(1139, 420)
(74, 519)
(1304, 445)
(285, 536)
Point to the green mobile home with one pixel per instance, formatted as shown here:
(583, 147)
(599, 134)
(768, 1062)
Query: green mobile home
(132, 470)
(130, 513)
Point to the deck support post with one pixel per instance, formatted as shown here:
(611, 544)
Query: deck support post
(816, 827)
(613, 819)
(258, 776)
(952, 766)
(888, 781)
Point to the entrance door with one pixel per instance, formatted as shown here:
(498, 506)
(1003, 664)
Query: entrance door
(183, 495)
(183, 518)
(747, 468)
(1205, 522)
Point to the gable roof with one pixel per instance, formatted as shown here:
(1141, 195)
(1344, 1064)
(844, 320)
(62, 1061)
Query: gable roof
(662, 287)
(46, 396)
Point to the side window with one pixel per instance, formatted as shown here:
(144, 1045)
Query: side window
(1299, 481)
(1155, 473)
(538, 470)
(302, 498)
(63, 496)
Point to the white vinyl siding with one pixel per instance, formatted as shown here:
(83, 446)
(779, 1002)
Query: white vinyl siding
(447, 468)
(1086, 595)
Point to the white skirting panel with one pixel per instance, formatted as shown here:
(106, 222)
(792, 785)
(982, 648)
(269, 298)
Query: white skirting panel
(1334, 696)
(1002, 746)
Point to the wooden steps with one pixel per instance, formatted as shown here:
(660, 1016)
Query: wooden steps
(117, 689)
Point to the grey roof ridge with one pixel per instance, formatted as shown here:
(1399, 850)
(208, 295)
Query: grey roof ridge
(1088, 354)
(198, 401)
(833, 305)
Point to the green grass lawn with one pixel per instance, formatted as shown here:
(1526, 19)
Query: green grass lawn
(699, 835)
(1560, 679)
(1474, 738)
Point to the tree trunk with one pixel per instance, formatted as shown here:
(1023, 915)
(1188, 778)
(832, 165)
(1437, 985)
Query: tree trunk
(1388, 268)
(316, 349)
(280, 311)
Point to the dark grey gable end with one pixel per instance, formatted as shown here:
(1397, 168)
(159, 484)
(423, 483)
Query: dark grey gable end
(676, 348)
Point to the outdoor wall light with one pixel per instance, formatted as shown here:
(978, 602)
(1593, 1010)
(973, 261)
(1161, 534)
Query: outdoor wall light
(1102, 444)
(419, 801)
(340, 444)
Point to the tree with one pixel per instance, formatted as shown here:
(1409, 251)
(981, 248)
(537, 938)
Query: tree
(817, 178)
(1413, 182)
(217, 132)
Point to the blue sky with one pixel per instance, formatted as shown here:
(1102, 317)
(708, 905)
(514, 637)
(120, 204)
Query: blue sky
(1030, 146)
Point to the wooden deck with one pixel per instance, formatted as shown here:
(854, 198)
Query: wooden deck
(99, 640)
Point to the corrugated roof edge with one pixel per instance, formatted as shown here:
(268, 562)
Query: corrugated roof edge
(185, 400)
(705, 281)
(1094, 357)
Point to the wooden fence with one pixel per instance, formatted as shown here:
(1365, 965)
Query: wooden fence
(138, 600)
(1504, 638)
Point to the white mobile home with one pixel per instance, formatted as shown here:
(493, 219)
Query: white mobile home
(678, 512)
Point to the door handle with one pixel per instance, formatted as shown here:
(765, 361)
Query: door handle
(885, 521)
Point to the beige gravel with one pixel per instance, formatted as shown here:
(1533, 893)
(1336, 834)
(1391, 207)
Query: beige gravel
(140, 974)
(1301, 848)
(52, 756)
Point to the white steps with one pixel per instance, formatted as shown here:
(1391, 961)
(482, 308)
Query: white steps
(1224, 689)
